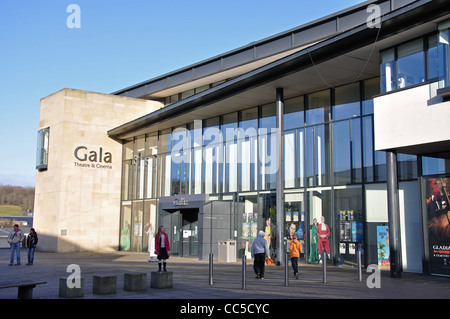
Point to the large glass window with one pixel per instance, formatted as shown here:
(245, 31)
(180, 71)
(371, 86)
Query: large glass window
(432, 58)
(318, 110)
(249, 121)
(150, 226)
(248, 149)
(349, 207)
(248, 157)
(444, 57)
(151, 176)
(342, 152)
(410, 64)
(388, 71)
(371, 88)
(347, 102)
(213, 155)
(125, 227)
(368, 158)
(248, 223)
(289, 159)
(295, 218)
(267, 120)
(127, 179)
(317, 155)
(139, 167)
(136, 227)
(294, 113)
(229, 127)
(328, 148)
(196, 157)
(268, 161)
(435, 166)
(165, 141)
(180, 160)
(300, 158)
(42, 149)
(267, 147)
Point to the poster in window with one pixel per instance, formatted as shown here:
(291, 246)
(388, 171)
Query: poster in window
(383, 247)
(357, 231)
(437, 203)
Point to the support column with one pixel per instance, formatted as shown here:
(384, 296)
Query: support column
(280, 178)
(393, 214)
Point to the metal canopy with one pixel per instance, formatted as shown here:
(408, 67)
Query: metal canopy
(345, 58)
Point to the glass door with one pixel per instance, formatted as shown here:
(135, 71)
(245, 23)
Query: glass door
(189, 233)
(176, 234)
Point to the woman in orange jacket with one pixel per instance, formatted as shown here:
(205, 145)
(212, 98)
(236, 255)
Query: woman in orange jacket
(295, 248)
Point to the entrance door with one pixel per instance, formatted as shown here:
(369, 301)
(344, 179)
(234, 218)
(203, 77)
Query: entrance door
(189, 232)
(183, 231)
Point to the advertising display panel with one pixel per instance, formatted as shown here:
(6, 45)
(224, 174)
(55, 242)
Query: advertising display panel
(438, 225)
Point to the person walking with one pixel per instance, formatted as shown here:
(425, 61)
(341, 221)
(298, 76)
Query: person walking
(32, 240)
(314, 255)
(295, 248)
(14, 240)
(259, 251)
(162, 247)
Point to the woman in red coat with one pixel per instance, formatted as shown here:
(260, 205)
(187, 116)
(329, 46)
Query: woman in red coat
(323, 231)
(162, 247)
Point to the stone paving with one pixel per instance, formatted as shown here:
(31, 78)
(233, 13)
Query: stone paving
(191, 279)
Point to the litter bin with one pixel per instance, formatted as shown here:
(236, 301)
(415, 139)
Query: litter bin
(227, 251)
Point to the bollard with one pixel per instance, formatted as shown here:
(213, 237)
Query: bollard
(324, 265)
(244, 272)
(286, 270)
(210, 269)
(359, 263)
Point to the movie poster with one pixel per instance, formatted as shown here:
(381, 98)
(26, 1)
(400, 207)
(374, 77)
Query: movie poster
(383, 247)
(437, 201)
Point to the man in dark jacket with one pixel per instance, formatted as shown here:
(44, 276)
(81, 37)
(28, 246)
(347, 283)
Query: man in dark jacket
(32, 240)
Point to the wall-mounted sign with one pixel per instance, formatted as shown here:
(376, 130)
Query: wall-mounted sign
(92, 158)
(180, 202)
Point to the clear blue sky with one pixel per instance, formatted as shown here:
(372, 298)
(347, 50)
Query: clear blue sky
(120, 43)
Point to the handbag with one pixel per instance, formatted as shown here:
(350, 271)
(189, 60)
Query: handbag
(269, 261)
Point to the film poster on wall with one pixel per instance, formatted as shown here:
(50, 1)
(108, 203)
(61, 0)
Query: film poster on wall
(438, 225)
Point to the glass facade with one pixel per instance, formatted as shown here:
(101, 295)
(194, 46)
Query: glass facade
(330, 168)
(443, 56)
(413, 63)
(328, 160)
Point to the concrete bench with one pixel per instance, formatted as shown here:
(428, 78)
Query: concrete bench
(104, 284)
(74, 292)
(162, 280)
(25, 288)
(136, 281)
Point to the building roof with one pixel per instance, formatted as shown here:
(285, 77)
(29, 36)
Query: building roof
(335, 50)
(255, 54)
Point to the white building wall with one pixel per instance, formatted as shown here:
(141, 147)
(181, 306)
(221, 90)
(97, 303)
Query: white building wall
(411, 118)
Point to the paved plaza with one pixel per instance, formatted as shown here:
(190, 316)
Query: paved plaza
(191, 279)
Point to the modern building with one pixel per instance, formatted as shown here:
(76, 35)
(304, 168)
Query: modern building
(344, 117)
